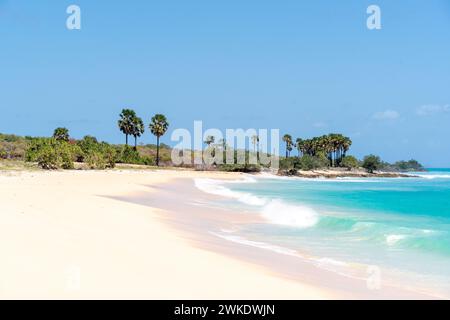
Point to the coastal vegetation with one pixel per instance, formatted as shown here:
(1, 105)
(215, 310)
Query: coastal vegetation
(330, 152)
(61, 151)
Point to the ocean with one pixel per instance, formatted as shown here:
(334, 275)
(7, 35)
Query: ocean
(400, 226)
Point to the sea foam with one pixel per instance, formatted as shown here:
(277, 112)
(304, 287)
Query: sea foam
(273, 210)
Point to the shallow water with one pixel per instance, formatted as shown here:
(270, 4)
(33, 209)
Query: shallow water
(401, 225)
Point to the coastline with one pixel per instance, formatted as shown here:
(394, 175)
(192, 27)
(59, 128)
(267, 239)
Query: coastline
(89, 245)
(334, 174)
(124, 237)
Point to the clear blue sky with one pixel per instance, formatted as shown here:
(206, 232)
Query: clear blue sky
(306, 67)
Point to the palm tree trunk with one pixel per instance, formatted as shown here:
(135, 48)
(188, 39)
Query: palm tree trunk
(135, 142)
(257, 150)
(126, 139)
(157, 151)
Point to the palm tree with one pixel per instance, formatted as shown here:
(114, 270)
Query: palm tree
(138, 129)
(255, 140)
(288, 140)
(61, 134)
(299, 144)
(223, 144)
(158, 127)
(209, 140)
(126, 123)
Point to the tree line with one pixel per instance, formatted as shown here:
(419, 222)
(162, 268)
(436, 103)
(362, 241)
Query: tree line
(333, 146)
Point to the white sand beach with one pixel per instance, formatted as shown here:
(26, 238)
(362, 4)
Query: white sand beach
(63, 236)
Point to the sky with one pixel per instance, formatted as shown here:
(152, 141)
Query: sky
(305, 67)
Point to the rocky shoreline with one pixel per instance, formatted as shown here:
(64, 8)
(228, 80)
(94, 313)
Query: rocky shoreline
(333, 174)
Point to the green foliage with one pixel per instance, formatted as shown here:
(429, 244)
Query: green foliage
(411, 165)
(51, 154)
(350, 162)
(87, 144)
(158, 127)
(130, 155)
(47, 157)
(248, 168)
(131, 125)
(288, 140)
(109, 155)
(97, 155)
(61, 134)
(288, 163)
(307, 162)
(12, 147)
(371, 163)
(334, 146)
(96, 160)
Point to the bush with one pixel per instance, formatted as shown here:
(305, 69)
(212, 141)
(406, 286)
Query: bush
(47, 158)
(307, 162)
(411, 165)
(87, 145)
(12, 146)
(349, 162)
(371, 163)
(66, 155)
(96, 155)
(51, 154)
(96, 160)
(130, 155)
(248, 168)
(288, 163)
(109, 155)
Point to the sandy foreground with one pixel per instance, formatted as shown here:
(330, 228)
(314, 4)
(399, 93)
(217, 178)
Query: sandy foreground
(63, 235)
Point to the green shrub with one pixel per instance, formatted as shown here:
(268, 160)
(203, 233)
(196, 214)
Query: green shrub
(65, 154)
(349, 162)
(51, 154)
(12, 147)
(130, 155)
(96, 160)
(371, 163)
(87, 145)
(307, 162)
(109, 155)
(288, 163)
(248, 168)
(47, 157)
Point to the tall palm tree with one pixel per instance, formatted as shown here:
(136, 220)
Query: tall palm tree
(158, 127)
(209, 140)
(61, 134)
(347, 143)
(138, 129)
(255, 142)
(299, 145)
(288, 140)
(126, 123)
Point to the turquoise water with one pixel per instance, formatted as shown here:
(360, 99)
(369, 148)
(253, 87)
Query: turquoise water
(401, 225)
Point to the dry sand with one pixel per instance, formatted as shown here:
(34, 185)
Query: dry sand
(64, 235)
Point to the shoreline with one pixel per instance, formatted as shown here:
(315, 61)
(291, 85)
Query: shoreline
(129, 239)
(283, 262)
(90, 245)
(335, 174)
